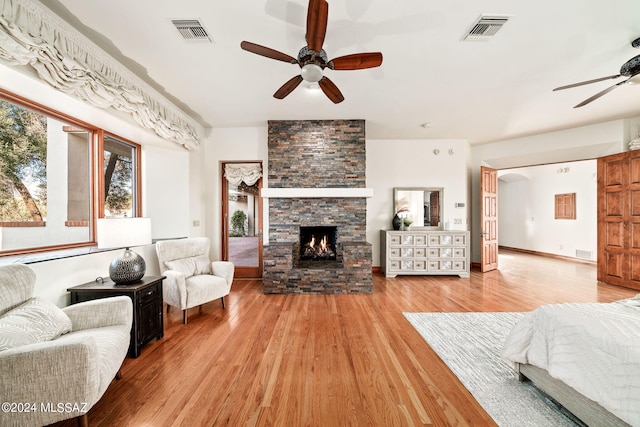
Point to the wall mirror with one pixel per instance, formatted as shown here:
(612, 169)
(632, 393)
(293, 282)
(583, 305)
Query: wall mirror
(422, 205)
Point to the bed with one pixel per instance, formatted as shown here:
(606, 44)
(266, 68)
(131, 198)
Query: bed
(585, 356)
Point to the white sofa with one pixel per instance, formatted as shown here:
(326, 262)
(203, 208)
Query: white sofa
(55, 364)
(192, 279)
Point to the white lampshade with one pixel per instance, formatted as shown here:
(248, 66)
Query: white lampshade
(123, 232)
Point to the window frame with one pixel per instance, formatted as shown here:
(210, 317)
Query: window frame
(136, 175)
(565, 206)
(96, 173)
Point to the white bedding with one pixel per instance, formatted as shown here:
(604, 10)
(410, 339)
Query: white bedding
(593, 348)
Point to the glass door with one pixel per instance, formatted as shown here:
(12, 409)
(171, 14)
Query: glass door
(242, 216)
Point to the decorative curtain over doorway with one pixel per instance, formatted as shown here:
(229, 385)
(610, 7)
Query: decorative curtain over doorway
(236, 173)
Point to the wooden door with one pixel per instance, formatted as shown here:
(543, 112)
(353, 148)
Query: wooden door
(489, 218)
(619, 219)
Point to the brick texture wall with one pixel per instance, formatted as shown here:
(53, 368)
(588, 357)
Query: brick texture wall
(317, 154)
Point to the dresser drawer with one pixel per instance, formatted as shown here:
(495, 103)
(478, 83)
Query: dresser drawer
(460, 240)
(150, 294)
(459, 265)
(421, 240)
(407, 252)
(407, 239)
(440, 265)
(459, 253)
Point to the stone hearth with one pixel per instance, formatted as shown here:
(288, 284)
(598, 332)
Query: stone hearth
(323, 154)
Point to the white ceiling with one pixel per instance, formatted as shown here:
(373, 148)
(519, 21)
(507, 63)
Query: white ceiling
(478, 91)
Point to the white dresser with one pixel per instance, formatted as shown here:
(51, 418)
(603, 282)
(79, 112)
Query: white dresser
(424, 252)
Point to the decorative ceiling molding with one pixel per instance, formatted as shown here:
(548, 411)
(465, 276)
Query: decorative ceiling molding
(32, 36)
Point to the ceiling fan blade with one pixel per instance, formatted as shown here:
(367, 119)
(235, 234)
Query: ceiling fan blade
(599, 94)
(268, 52)
(288, 87)
(588, 82)
(356, 61)
(331, 90)
(317, 16)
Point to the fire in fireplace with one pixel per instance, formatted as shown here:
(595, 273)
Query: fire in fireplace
(318, 243)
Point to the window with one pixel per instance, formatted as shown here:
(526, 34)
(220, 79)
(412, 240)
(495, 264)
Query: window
(565, 206)
(49, 192)
(120, 172)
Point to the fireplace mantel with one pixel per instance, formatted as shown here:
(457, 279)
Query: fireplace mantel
(343, 192)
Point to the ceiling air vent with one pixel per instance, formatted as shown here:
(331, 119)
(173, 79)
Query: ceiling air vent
(191, 29)
(486, 27)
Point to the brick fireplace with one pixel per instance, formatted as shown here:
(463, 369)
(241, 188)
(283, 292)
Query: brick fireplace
(316, 172)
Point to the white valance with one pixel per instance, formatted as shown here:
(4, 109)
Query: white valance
(249, 173)
(30, 35)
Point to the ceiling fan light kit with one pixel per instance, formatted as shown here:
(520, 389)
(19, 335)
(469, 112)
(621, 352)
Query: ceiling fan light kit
(629, 69)
(311, 73)
(313, 60)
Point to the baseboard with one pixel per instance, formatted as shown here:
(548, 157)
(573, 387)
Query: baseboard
(546, 254)
(376, 269)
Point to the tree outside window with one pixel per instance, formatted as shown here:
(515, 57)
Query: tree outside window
(118, 178)
(23, 164)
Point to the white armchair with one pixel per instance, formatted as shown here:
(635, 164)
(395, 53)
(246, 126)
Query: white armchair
(51, 356)
(192, 278)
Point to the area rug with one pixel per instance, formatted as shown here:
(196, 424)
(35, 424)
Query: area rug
(470, 344)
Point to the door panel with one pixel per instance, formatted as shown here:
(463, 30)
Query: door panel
(489, 218)
(619, 219)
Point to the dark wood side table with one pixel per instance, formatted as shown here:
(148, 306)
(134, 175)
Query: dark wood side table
(148, 321)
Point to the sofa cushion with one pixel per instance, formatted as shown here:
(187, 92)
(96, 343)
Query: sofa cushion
(17, 282)
(36, 320)
(191, 266)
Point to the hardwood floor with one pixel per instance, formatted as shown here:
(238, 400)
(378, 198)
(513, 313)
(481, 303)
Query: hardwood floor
(337, 360)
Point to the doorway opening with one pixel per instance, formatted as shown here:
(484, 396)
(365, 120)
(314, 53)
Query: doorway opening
(527, 210)
(242, 217)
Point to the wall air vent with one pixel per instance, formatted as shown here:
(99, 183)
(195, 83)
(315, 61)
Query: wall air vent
(191, 29)
(580, 253)
(485, 28)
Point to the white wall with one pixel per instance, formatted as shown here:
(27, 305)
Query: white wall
(526, 208)
(165, 198)
(412, 163)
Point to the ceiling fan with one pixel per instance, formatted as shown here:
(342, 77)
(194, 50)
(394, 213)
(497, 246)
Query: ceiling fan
(312, 58)
(629, 69)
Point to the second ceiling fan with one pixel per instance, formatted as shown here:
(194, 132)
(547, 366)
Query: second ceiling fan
(312, 58)
(629, 69)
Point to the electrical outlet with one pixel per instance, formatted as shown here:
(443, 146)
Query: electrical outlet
(457, 220)
(196, 223)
